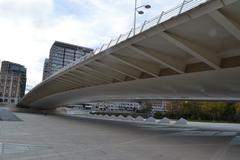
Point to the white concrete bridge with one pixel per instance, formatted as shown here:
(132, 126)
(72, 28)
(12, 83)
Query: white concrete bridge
(189, 52)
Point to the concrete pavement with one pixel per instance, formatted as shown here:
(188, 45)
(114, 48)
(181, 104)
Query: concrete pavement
(6, 115)
(40, 137)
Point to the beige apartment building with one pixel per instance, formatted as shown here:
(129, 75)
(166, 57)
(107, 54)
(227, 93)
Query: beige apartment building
(9, 88)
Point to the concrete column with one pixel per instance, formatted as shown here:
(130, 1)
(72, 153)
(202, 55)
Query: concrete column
(18, 89)
(10, 88)
(4, 88)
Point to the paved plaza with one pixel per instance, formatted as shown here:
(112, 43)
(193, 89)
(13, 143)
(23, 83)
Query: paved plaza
(41, 137)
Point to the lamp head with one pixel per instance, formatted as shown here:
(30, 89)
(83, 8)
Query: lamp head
(147, 6)
(140, 12)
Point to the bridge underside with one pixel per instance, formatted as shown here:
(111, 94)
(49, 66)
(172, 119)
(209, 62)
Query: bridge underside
(209, 85)
(195, 55)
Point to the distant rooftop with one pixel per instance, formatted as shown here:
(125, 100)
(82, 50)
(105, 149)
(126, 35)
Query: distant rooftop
(70, 46)
(13, 63)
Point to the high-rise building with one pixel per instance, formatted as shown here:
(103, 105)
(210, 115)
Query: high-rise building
(10, 86)
(45, 69)
(10, 68)
(61, 54)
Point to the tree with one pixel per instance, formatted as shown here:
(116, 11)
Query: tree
(229, 112)
(213, 110)
(237, 112)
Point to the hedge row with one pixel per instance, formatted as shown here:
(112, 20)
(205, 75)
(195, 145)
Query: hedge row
(202, 111)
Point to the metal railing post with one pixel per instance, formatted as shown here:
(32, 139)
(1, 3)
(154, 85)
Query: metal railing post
(109, 43)
(143, 26)
(118, 39)
(160, 17)
(129, 33)
(101, 48)
(94, 52)
(180, 11)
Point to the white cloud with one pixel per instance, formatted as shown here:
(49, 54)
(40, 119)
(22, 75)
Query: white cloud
(28, 9)
(29, 27)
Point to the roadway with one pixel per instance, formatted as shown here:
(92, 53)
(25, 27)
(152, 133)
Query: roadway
(50, 137)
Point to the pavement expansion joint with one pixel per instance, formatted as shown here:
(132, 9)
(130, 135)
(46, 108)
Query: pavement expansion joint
(6, 115)
(8, 148)
(206, 133)
(235, 140)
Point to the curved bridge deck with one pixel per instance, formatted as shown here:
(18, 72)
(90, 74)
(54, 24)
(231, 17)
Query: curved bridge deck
(185, 53)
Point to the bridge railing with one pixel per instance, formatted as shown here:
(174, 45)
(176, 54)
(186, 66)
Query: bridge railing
(164, 16)
(72, 64)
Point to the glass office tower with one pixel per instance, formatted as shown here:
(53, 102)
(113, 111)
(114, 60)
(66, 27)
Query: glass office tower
(61, 54)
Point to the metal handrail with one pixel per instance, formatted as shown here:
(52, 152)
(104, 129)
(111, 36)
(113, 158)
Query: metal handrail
(164, 16)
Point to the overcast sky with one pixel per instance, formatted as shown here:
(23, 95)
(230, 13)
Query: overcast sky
(28, 28)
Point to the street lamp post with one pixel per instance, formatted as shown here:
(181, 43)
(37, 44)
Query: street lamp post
(139, 12)
(135, 16)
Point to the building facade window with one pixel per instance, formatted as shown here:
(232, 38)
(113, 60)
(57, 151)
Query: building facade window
(61, 55)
